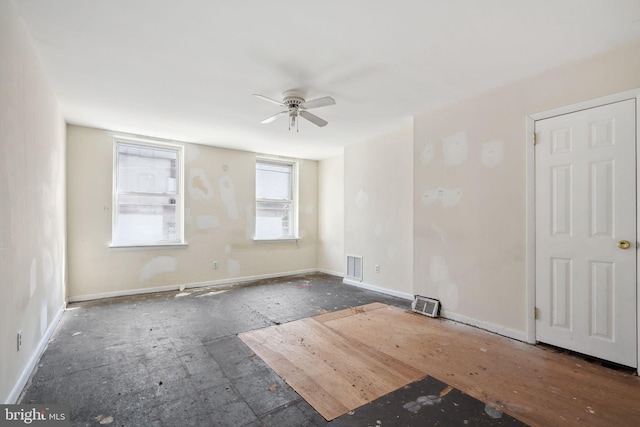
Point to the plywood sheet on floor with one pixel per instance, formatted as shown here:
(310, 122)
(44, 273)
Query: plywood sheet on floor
(339, 361)
(333, 373)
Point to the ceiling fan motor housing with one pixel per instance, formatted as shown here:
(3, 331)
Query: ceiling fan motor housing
(293, 98)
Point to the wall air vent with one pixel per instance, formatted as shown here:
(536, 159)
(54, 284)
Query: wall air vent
(354, 267)
(427, 306)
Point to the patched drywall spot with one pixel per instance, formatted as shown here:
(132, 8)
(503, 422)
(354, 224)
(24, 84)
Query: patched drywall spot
(302, 233)
(492, 153)
(308, 209)
(233, 267)
(158, 265)
(378, 230)
(447, 290)
(250, 218)
(448, 197)
(204, 222)
(439, 270)
(228, 196)
(431, 197)
(191, 153)
(227, 249)
(33, 277)
(455, 148)
(427, 154)
(199, 185)
(47, 266)
(451, 197)
(362, 198)
(438, 231)
(188, 217)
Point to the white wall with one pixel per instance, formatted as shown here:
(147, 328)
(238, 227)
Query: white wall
(378, 212)
(331, 216)
(470, 188)
(219, 211)
(32, 185)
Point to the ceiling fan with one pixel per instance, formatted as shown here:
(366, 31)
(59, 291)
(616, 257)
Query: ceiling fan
(295, 104)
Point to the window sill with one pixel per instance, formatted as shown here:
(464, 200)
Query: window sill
(147, 247)
(282, 240)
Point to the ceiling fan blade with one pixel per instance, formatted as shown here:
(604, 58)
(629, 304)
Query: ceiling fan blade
(272, 118)
(313, 118)
(320, 102)
(269, 99)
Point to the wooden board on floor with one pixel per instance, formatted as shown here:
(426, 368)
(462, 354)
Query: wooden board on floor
(332, 373)
(340, 361)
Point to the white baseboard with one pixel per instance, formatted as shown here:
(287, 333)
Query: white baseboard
(222, 282)
(491, 327)
(33, 360)
(379, 289)
(330, 272)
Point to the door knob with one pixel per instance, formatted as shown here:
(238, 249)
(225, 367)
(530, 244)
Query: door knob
(624, 244)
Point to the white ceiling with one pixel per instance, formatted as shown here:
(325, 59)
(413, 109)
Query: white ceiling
(186, 70)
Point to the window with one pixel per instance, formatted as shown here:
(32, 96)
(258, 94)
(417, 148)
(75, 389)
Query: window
(147, 200)
(276, 212)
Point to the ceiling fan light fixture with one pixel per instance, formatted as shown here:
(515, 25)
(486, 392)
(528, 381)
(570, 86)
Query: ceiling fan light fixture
(293, 122)
(295, 104)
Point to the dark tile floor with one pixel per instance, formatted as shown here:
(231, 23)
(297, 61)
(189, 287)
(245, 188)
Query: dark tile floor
(173, 358)
(427, 402)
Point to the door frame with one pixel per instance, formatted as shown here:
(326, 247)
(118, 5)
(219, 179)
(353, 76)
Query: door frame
(531, 199)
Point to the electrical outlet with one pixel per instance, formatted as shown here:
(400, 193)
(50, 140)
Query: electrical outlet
(19, 340)
(377, 268)
(215, 265)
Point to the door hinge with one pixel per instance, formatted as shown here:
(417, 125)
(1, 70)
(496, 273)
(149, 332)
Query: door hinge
(535, 313)
(534, 139)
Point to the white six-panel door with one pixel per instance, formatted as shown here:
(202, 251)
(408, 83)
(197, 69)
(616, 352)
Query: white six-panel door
(585, 198)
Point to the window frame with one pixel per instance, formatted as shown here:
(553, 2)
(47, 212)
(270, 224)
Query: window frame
(295, 220)
(179, 192)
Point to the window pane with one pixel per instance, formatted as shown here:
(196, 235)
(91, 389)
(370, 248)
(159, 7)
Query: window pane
(273, 181)
(146, 220)
(146, 170)
(273, 220)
